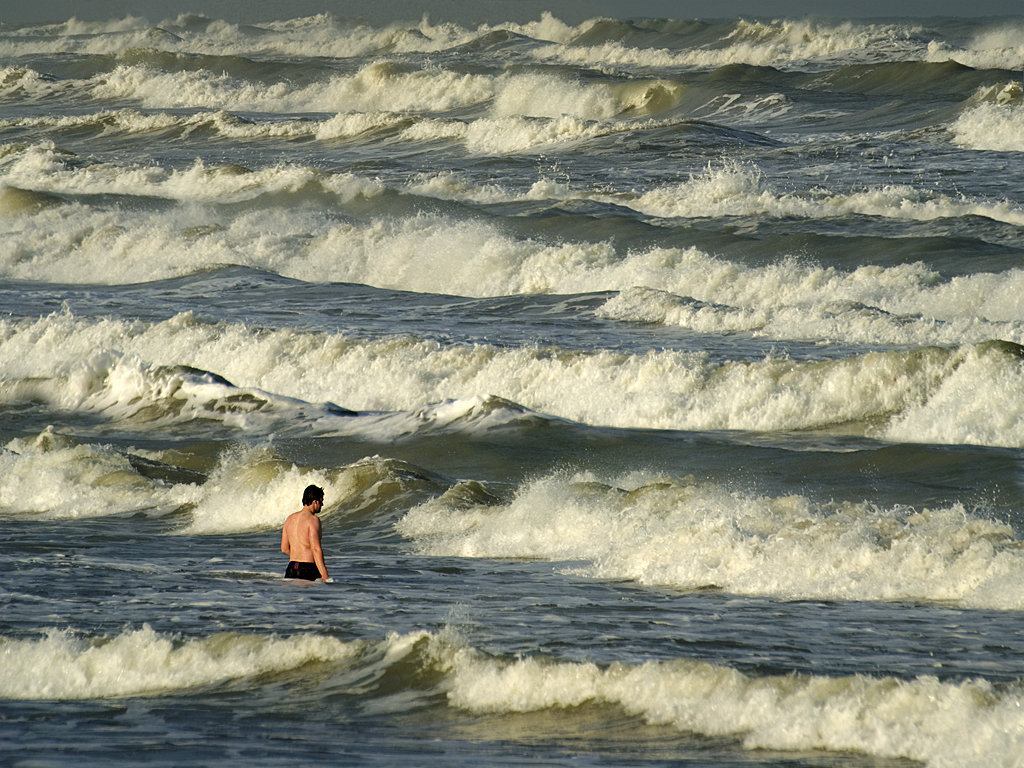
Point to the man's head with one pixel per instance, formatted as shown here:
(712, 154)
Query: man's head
(311, 494)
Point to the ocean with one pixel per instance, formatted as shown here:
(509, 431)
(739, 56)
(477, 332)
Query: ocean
(665, 379)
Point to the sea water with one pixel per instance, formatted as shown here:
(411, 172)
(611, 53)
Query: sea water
(665, 380)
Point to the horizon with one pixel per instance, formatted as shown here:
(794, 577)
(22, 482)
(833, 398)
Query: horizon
(495, 11)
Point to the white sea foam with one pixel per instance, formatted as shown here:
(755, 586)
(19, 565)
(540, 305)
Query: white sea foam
(971, 724)
(379, 86)
(854, 317)
(996, 127)
(778, 43)
(905, 304)
(27, 84)
(52, 476)
(543, 95)
(76, 243)
(509, 135)
(125, 388)
(381, 94)
(510, 119)
(485, 135)
(131, 121)
(311, 36)
(143, 662)
(775, 43)
(957, 410)
(667, 531)
(252, 489)
(736, 190)
(246, 488)
(922, 719)
(124, 120)
(130, 371)
(1000, 46)
(43, 168)
(384, 85)
(729, 190)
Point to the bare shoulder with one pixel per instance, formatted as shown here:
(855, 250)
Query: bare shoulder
(303, 519)
(295, 523)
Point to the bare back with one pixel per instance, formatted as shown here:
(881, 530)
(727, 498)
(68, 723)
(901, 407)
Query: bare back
(300, 539)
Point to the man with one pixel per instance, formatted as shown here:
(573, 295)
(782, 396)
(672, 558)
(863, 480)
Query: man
(300, 539)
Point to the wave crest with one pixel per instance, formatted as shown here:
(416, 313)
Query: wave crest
(667, 531)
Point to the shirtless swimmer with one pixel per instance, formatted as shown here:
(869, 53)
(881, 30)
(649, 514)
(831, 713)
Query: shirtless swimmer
(300, 539)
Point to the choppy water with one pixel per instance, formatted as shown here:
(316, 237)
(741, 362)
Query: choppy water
(665, 380)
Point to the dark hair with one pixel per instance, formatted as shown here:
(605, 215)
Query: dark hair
(311, 494)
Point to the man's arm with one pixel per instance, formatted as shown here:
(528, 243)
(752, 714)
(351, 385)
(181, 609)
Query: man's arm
(285, 545)
(318, 553)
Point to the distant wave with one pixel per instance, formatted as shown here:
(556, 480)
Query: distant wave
(390, 87)
(730, 189)
(786, 43)
(377, 87)
(737, 191)
(596, 42)
(38, 179)
(486, 135)
(997, 44)
(777, 43)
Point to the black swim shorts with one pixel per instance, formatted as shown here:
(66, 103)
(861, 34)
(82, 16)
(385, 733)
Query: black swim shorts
(297, 570)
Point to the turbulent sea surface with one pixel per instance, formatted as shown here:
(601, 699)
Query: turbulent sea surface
(665, 379)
